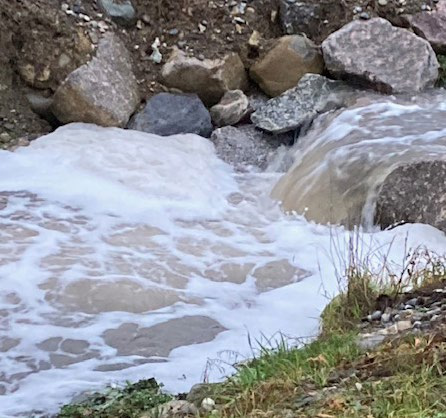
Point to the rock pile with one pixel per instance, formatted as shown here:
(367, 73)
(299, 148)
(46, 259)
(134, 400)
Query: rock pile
(418, 312)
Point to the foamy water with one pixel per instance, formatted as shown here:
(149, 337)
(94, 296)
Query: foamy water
(342, 162)
(125, 256)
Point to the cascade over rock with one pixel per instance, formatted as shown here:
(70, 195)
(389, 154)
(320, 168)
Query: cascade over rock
(344, 159)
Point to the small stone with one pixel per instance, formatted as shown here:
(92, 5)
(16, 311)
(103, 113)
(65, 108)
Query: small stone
(434, 312)
(358, 386)
(412, 302)
(357, 10)
(364, 16)
(417, 324)
(403, 325)
(208, 404)
(231, 109)
(386, 317)
(434, 318)
(382, 2)
(376, 316)
(173, 32)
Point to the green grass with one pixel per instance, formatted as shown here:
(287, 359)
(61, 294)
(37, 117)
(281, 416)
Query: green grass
(276, 373)
(130, 401)
(441, 82)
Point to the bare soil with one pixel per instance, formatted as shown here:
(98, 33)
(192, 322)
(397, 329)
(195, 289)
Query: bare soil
(40, 43)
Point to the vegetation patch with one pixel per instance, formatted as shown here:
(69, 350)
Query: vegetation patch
(130, 401)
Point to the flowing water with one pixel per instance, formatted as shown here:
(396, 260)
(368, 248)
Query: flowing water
(124, 255)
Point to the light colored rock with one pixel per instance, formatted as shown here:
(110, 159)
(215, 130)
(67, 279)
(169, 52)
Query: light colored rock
(246, 146)
(210, 79)
(413, 193)
(174, 409)
(208, 404)
(171, 114)
(231, 109)
(431, 26)
(103, 91)
(378, 55)
(297, 107)
(403, 325)
(199, 392)
(286, 63)
(370, 341)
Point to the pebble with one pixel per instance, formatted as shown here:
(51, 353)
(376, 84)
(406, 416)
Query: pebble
(208, 404)
(382, 2)
(375, 316)
(434, 312)
(417, 324)
(403, 325)
(434, 318)
(412, 302)
(4, 137)
(357, 10)
(386, 317)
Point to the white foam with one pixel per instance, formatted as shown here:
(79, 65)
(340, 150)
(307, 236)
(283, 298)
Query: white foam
(154, 220)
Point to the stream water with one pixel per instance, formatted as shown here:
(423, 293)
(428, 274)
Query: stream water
(124, 255)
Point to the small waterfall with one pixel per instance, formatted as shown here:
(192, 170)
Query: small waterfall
(341, 162)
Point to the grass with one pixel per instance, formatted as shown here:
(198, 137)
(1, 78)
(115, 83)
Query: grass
(441, 82)
(130, 401)
(283, 373)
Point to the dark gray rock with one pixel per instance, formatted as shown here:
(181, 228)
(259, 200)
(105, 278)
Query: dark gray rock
(171, 114)
(297, 107)
(310, 17)
(414, 193)
(122, 12)
(299, 16)
(376, 54)
(247, 146)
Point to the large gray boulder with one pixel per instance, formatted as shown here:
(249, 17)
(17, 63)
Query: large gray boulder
(378, 55)
(431, 26)
(413, 193)
(104, 91)
(170, 114)
(289, 59)
(245, 146)
(210, 79)
(297, 107)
